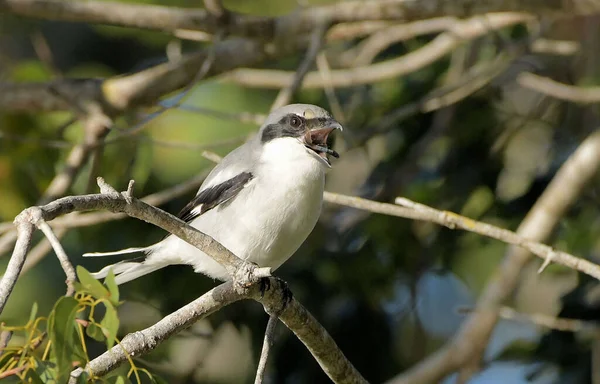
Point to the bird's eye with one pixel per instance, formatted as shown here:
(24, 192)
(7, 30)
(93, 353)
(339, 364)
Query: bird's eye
(295, 121)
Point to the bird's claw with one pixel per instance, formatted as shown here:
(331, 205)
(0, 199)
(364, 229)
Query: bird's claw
(265, 285)
(286, 293)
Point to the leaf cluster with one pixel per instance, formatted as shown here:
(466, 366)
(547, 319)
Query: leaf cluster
(47, 348)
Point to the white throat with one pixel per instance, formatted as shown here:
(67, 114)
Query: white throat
(291, 153)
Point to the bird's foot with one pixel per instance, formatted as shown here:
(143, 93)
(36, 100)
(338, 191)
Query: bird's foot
(265, 285)
(286, 292)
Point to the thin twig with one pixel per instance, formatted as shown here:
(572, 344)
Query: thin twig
(286, 93)
(65, 263)
(439, 47)
(168, 18)
(268, 342)
(200, 74)
(325, 71)
(96, 128)
(77, 219)
(41, 249)
(13, 371)
(561, 91)
(546, 321)
(368, 49)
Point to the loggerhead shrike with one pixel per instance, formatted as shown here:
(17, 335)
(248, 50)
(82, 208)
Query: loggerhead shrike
(261, 201)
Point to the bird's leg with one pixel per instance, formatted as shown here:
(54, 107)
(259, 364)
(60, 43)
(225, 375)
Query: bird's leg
(265, 285)
(286, 293)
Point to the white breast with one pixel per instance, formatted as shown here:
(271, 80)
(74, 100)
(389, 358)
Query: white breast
(268, 220)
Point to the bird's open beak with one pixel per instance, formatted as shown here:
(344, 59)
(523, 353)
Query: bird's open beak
(316, 140)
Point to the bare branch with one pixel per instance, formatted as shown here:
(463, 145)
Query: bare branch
(145, 16)
(120, 93)
(542, 320)
(436, 49)
(171, 18)
(416, 211)
(141, 342)
(365, 52)
(15, 264)
(286, 93)
(77, 219)
(347, 31)
(294, 316)
(146, 87)
(65, 263)
(242, 272)
(96, 128)
(41, 250)
(268, 342)
(547, 86)
(325, 71)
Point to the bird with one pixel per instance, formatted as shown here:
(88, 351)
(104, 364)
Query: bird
(261, 201)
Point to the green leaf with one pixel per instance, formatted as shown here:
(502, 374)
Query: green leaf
(91, 285)
(45, 372)
(113, 288)
(33, 377)
(62, 330)
(110, 325)
(95, 332)
(122, 380)
(33, 313)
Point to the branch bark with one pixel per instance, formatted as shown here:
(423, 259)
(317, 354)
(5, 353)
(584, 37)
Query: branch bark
(169, 19)
(293, 315)
(442, 45)
(117, 94)
(245, 276)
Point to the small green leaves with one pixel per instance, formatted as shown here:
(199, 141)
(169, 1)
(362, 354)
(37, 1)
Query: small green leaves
(110, 325)
(113, 289)
(95, 332)
(33, 313)
(55, 345)
(63, 333)
(88, 284)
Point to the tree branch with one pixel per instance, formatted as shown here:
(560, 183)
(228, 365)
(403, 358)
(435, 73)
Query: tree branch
(293, 315)
(442, 45)
(558, 90)
(169, 19)
(266, 348)
(472, 338)
(241, 271)
(286, 93)
(65, 263)
(117, 94)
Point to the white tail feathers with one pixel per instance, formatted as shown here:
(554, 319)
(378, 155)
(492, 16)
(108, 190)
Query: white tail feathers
(128, 270)
(120, 252)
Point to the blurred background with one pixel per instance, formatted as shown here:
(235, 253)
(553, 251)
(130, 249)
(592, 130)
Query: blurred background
(389, 290)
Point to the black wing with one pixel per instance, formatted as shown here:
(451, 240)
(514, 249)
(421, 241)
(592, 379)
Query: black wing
(213, 196)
